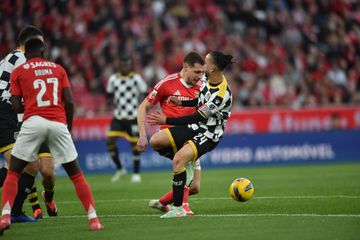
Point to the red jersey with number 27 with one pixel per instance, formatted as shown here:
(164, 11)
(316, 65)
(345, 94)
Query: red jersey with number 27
(40, 83)
(173, 85)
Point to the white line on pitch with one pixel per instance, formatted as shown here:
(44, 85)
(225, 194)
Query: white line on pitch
(230, 215)
(217, 198)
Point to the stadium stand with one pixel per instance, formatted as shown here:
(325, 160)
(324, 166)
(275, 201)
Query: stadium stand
(292, 53)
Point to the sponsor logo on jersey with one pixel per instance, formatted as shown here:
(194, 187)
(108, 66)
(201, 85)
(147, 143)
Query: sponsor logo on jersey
(153, 94)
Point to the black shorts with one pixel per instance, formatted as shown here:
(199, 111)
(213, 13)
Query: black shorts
(8, 127)
(179, 135)
(127, 129)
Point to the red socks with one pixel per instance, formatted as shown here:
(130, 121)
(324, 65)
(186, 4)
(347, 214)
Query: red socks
(83, 191)
(9, 191)
(168, 198)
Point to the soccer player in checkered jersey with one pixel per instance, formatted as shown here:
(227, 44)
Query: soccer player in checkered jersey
(184, 85)
(9, 127)
(126, 89)
(204, 129)
(48, 115)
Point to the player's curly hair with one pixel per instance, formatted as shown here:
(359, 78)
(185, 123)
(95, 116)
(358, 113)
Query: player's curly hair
(220, 60)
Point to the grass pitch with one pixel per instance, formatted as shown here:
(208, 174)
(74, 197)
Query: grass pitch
(290, 202)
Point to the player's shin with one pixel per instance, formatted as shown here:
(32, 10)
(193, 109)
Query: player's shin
(9, 192)
(26, 181)
(33, 198)
(178, 187)
(114, 155)
(83, 191)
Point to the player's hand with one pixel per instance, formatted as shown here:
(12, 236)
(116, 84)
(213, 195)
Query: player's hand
(141, 144)
(156, 118)
(174, 100)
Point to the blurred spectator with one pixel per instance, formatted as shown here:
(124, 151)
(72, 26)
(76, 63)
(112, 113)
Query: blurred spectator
(291, 53)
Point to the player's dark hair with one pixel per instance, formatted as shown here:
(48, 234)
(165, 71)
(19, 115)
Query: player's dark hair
(221, 60)
(193, 57)
(34, 47)
(28, 32)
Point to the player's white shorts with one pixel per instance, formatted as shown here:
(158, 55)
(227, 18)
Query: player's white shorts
(36, 130)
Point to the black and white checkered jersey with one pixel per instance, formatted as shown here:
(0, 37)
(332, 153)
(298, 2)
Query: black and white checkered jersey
(7, 65)
(214, 103)
(127, 91)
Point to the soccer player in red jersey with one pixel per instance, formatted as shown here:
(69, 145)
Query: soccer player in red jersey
(48, 115)
(185, 86)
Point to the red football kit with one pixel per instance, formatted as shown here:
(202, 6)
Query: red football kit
(173, 85)
(40, 83)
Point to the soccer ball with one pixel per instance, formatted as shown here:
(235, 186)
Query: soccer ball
(241, 189)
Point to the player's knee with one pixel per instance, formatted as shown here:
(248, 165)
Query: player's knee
(194, 188)
(179, 162)
(155, 143)
(32, 168)
(48, 172)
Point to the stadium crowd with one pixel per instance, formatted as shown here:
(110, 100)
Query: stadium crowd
(290, 53)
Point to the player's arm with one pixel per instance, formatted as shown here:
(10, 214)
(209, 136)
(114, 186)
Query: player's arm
(110, 90)
(195, 118)
(69, 106)
(159, 118)
(16, 93)
(202, 113)
(188, 103)
(16, 104)
(141, 119)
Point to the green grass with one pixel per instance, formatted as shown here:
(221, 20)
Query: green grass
(290, 202)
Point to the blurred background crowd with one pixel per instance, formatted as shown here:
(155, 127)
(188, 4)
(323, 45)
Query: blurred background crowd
(289, 53)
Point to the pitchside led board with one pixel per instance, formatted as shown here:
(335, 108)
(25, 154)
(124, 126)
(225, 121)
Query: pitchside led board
(256, 137)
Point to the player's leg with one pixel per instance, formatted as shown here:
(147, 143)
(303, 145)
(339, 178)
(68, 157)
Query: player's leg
(136, 178)
(32, 169)
(162, 142)
(64, 151)
(192, 150)
(133, 136)
(3, 172)
(9, 191)
(26, 182)
(115, 132)
(47, 171)
(192, 186)
(32, 134)
(83, 192)
(181, 158)
(8, 128)
(25, 150)
(169, 139)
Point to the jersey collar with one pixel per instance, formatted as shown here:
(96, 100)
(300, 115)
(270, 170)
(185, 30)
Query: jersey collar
(184, 83)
